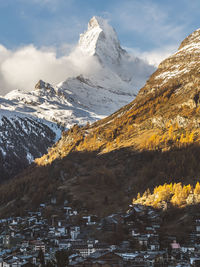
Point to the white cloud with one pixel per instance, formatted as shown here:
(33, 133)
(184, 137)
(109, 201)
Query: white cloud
(21, 69)
(155, 56)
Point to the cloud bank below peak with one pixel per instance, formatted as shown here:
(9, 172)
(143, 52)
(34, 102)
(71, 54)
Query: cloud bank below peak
(22, 68)
(155, 56)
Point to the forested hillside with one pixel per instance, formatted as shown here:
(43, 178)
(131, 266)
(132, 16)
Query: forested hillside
(153, 140)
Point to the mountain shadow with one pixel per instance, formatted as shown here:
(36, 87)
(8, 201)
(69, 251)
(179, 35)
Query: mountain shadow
(100, 183)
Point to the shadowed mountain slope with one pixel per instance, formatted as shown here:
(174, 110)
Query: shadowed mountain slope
(152, 140)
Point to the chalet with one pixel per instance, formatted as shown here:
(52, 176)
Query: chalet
(138, 208)
(195, 261)
(74, 232)
(69, 243)
(187, 248)
(13, 262)
(90, 220)
(86, 250)
(75, 259)
(38, 245)
(14, 222)
(68, 211)
(153, 245)
(134, 232)
(35, 213)
(64, 244)
(143, 240)
(6, 241)
(155, 259)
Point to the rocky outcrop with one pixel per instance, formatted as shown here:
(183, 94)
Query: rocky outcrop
(43, 85)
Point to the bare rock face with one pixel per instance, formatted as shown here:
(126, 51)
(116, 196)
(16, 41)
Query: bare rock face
(45, 87)
(41, 84)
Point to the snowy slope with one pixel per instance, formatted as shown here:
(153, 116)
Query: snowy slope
(114, 83)
(49, 104)
(22, 139)
(101, 40)
(112, 80)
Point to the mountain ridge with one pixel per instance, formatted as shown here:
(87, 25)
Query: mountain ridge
(108, 87)
(85, 97)
(150, 141)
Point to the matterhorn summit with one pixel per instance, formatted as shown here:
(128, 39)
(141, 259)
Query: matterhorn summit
(101, 40)
(118, 76)
(107, 78)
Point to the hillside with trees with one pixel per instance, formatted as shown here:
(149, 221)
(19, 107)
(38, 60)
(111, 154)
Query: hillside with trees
(151, 141)
(168, 195)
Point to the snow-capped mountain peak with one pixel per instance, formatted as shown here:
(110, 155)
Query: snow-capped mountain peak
(101, 40)
(96, 21)
(109, 80)
(86, 97)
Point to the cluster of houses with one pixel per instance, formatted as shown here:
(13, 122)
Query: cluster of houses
(134, 239)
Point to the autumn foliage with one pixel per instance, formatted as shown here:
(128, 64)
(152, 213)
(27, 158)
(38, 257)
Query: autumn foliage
(170, 195)
(171, 136)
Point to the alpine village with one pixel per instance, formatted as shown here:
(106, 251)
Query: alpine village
(96, 172)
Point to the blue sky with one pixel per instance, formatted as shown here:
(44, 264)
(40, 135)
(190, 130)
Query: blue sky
(143, 24)
(35, 33)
